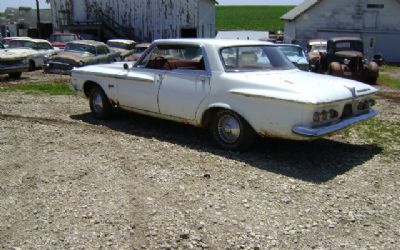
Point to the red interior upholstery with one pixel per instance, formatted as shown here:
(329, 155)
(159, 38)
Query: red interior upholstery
(184, 64)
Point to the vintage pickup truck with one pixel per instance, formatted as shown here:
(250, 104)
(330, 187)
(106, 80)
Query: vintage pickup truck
(237, 89)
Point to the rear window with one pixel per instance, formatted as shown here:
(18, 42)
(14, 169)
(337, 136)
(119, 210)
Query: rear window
(76, 47)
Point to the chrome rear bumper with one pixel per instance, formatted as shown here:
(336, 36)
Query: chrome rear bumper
(330, 128)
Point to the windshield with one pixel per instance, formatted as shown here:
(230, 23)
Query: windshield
(61, 38)
(76, 47)
(254, 58)
(349, 46)
(292, 51)
(140, 49)
(22, 44)
(120, 45)
(318, 48)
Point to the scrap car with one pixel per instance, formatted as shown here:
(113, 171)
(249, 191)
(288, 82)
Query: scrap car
(296, 55)
(315, 49)
(236, 89)
(80, 53)
(37, 50)
(345, 58)
(139, 50)
(12, 63)
(123, 47)
(60, 39)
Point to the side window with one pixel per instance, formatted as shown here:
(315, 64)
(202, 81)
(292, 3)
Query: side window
(174, 57)
(102, 50)
(44, 46)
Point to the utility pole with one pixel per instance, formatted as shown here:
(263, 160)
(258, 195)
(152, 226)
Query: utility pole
(38, 18)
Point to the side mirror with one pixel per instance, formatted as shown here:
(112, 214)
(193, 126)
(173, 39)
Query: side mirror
(126, 66)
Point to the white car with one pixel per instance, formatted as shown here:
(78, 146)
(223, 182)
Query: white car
(237, 89)
(36, 50)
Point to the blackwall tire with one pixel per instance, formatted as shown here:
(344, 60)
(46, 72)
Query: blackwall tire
(99, 104)
(231, 132)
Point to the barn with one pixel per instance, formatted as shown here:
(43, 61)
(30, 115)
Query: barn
(376, 22)
(141, 20)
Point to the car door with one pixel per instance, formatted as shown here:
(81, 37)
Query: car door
(138, 87)
(103, 54)
(186, 85)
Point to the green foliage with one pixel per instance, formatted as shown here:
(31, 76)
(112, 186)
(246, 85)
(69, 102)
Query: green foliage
(386, 78)
(244, 17)
(47, 88)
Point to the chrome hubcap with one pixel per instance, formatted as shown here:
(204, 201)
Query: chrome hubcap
(98, 103)
(228, 129)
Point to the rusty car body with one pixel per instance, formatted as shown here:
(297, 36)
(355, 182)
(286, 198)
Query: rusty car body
(12, 63)
(139, 50)
(80, 53)
(235, 88)
(123, 47)
(315, 49)
(60, 39)
(345, 58)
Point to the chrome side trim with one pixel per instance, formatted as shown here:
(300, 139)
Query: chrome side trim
(324, 130)
(116, 76)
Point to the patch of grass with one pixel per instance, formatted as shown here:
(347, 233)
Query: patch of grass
(384, 133)
(388, 68)
(47, 88)
(244, 17)
(388, 80)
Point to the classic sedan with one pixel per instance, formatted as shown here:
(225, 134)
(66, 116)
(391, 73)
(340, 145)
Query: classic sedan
(39, 50)
(124, 47)
(296, 55)
(12, 62)
(80, 53)
(237, 89)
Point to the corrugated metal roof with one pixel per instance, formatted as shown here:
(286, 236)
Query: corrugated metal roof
(299, 9)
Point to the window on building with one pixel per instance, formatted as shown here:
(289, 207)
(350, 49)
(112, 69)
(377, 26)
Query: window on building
(375, 6)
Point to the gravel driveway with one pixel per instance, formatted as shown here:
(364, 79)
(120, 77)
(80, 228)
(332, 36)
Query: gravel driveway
(68, 181)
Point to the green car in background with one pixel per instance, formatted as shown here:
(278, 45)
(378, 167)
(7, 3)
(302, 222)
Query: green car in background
(80, 53)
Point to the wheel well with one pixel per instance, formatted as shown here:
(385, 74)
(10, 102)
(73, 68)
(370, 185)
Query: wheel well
(32, 65)
(87, 86)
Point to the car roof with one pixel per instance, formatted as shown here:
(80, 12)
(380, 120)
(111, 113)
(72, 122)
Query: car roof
(288, 45)
(214, 42)
(318, 41)
(62, 33)
(125, 41)
(338, 39)
(32, 40)
(145, 45)
(88, 42)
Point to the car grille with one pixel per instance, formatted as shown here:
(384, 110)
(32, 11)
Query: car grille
(60, 66)
(347, 111)
(8, 64)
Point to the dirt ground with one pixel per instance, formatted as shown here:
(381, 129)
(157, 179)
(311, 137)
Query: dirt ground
(68, 181)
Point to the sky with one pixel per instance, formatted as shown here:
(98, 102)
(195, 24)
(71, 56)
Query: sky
(16, 3)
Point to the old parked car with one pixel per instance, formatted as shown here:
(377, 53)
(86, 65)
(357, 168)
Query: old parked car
(345, 58)
(139, 50)
(237, 89)
(315, 49)
(123, 47)
(12, 63)
(80, 53)
(60, 39)
(296, 55)
(39, 50)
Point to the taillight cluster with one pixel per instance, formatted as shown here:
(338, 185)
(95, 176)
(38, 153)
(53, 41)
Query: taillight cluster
(364, 105)
(325, 115)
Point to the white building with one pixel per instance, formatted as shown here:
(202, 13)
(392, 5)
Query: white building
(142, 20)
(377, 22)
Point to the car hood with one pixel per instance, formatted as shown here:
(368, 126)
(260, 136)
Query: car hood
(122, 52)
(299, 86)
(15, 54)
(74, 56)
(349, 54)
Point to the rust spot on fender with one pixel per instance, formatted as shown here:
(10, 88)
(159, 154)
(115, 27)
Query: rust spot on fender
(265, 133)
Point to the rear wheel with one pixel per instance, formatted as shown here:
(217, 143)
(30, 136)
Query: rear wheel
(231, 132)
(99, 104)
(15, 75)
(32, 66)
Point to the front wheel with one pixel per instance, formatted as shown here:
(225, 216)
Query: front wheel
(99, 104)
(231, 132)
